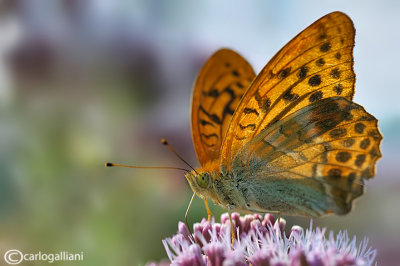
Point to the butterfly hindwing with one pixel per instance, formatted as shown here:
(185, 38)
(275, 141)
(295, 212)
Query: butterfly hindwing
(332, 145)
(217, 91)
(316, 64)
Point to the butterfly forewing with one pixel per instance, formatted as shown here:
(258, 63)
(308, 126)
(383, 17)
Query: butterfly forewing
(217, 91)
(316, 64)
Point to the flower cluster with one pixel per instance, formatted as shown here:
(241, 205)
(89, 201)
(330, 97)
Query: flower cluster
(262, 241)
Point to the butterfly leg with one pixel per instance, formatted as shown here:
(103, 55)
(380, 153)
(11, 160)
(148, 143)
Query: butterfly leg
(208, 209)
(186, 215)
(279, 216)
(232, 227)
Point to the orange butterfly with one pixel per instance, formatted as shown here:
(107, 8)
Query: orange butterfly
(289, 139)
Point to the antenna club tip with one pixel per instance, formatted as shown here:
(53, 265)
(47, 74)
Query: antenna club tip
(164, 141)
(107, 164)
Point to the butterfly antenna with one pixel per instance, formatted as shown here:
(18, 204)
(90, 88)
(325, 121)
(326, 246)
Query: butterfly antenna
(145, 167)
(164, 142)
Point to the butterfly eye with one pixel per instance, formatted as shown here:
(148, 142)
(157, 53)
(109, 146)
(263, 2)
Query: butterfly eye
(203, 179)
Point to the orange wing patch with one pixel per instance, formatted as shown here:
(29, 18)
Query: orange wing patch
(217, 92)
(316, 64)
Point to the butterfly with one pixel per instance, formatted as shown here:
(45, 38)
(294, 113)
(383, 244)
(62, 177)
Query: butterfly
(289, 140)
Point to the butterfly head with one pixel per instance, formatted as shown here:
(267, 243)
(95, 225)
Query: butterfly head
(201, 183)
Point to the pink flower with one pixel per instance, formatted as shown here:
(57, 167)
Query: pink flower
(262, 241)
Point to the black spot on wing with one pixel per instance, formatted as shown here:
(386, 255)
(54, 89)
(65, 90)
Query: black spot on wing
(315, 96)
(289, 96)
(263, 103)
(338, 133)
(211, 93)
(227, 110)
(325, 47)
(374, 153)
(374, 134)
(239, 85)
(343, 156)
(335, 73)
(360, 159)
(250, 111)
(365, 143)
(284, 73)
(322, 36)
(359, 128)
(205, 123)
(320, 62)
(366, 117)
(207, 137)
(210, 136)
(314, 80)
(303, 72)
(213, 117)
(338, 88)
(251, 126)
(348, 143)
(240, 138)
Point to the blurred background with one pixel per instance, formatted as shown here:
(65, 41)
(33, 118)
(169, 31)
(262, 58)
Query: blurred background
(83, 82)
